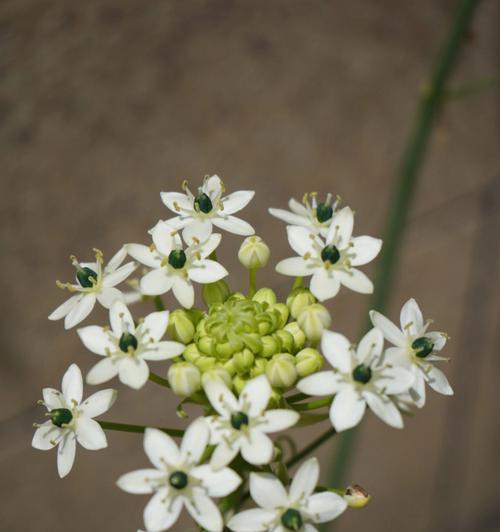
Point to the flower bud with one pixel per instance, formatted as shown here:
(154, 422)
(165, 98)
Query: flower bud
(215, 292)
(239, 383)
(180, 326)
(282, 312)
(191, 353)
(243, 361)
(200, 328)
(205, 363)
(253, 342)
(259, 367)
(286, 340)
(299, 337)
(356, 497)
(313, 320)
(265, 295)
(218, 373)
(254, 252)
(224, 350)
(270, 346)
(280, 371)
(298, 299)
(308, 361)
(184, 378)
(229, 367)
(206, 344)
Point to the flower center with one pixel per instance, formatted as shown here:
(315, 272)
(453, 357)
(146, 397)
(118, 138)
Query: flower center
(203, 203)
(362, 373)
(323, 212)
(127, 340)
(423, 346)
(178, 480)
(239, 419)
(330, 254)
(86, 277)
(177, 259)
(291, 519)
(60, 416)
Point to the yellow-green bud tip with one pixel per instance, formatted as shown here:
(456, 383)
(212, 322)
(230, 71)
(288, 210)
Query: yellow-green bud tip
(356, 496)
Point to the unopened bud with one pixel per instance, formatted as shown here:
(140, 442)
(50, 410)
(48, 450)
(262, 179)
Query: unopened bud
(200, 328)
(298, 299)
(270, 346)
(205, 363)
(259, 367)
(180, 326)
(299, 337)
(215, 292)
(243, 361)
(280, 371)
(191, 353)
(218, 373)
(254, 252)
(356, 496)
(184, 378)
(229, 367)
(239, 383)
(308, 361)
(252, 341)
(282, 313)
(224, 350)
(286, 340)
(265, 295)
(206, 344)
(313, 320)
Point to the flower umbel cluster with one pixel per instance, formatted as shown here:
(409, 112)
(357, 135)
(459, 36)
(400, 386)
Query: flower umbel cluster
(237, 358)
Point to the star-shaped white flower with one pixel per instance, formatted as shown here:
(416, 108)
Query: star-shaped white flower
(126, 348)
(178, 480)
(243, 424)
(415, 349)
(71, 420)
(173, 267)
(93, 283)
(359, 379)
(298, 510)
(331, 261)
(198, 213)
(312, 215)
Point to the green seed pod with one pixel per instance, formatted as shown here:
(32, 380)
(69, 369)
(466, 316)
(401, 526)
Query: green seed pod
(217, 373)
(286, 338)
(313, 320)
(299, 337)
(270, 346)
(205, 363)
(281, 371)
(308, 361)
(206, 344)
(184, 378)
(254, 252)
(298, 299)
(243, 361)
(265, 295)
(191, 353)
(215, 292)
(180, 326)
(259, 367)
(283, 314)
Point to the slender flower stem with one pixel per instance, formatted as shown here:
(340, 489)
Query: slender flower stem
(252, 281)
(159, 380)
(158, 303)
(126, 427)
(296, 398)
(297, 283)
(320, 440)
(312, 405)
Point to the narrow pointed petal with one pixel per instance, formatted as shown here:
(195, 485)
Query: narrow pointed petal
(218, 483)
(297, 207)
(210, 245)
(321, 383)
(324, 284)
(325, 506)
(389, 330)
(205, 512)
(395, 380)
(66, 454)
(133, 372)
(161, 514)
(221, 398)
(439, 339)
(115, 260)
(163, 237)
(90, 434)
(195, 440)
(256, 394)
(411, 318)
(340, 231)
(154, 325)
(267, 491)
(53, 398)
(46, 436)
(234, 225)
(206, 271)
(236, 201)
(72, 385)
(176, 201)
(65, 308)
(301, 240)
(121, 319)
(160, 448)
(295, 266)
(80, 311)
(223, 455)
(277, 420)
(139, 482)
(254, 520)
(183, 292)
(347, 409)
(197, 229)
(96, 339)
(163, 351)
(118, 276)
(305, 480)
(289, 217)
(355, 280)
(98, 402)
(258, 449)
(156, 282)
(438, 382)
(107, 296)
(370, 346)
(385, 409)
(103, 371)
(336, 349)
(364, 249)
(144, 255)
(417, 391)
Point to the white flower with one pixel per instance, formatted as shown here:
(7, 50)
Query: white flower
(242, 424)
(71, 420)
(415, 349)
(125, 347)
(296, 510)
(331, 261)
(177, 480)
(175, 268)
(359, 379)
(314, 216)
(198, 213)
(93, 283)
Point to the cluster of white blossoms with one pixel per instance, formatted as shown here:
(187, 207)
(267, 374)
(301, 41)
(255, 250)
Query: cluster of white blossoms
(239, 358)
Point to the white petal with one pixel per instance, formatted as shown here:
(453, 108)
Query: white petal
(116, 260)
(389, 330)
(370, 346)
(364, 249)
(204, 511)
(161, 514)
(234, 225)
(438, 338)
(137, 482)
(298, 207)
(206, 271)
(98, 403)
(254, 520)
(290, 217)
(65, 308)
(267, 491)
(46, 436)
(213, 186)
(218, 483)
(324, 284)
(394, 380)
(183, 292)
(197, 229)
(257, 449)
(325, 506)
(305, 480)
(103, 371)
(195, 440)
(66, 454)
(72, 385)
(309, 528)
(411, 318)
(107, 296)
(96, 339)
(256, 394)
(133, 372)
(210, 245)
(176, 201)
(277, 420)
(340, 230)
(80, 311)
(417, 391)
(321, 383)
(437, 381)
(355, 280)
(301, 240)
(155, 324)
(385, 409)
(53, 398)
(121, 319)
(236, 201)
(295, 266)
(163, 237)
(347, 409)
(156, 282)
(336, 349)
(90, 434)
(163, 351)
(397, 356)
(223, 455)
(220, 397)
(144, 255)
(116, 277)
(160, 448)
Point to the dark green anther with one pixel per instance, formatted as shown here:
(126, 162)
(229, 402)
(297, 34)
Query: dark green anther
(86, 277)
(423, 346)
(291, 519)
(203, 203)
(60, 416)
(177, 259)
(324, 212)
(238, 420)
(362, 373)
(178, 480)
(330, 254)
(127, 340)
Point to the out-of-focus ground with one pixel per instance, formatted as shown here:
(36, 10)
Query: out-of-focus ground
(105, 103)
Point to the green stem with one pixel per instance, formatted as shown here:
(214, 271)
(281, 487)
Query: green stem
(126, 427)
(252, 281)
(313, 405)
(320, 440)
(296, 398)
(411, 163)
(159, 380)
(297, 283)
(158, 303)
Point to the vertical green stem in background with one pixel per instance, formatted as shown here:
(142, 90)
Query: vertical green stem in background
(158, 303)
(411, 162)
(252, 281)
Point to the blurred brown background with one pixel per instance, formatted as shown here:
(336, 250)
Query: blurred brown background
(103, 104)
